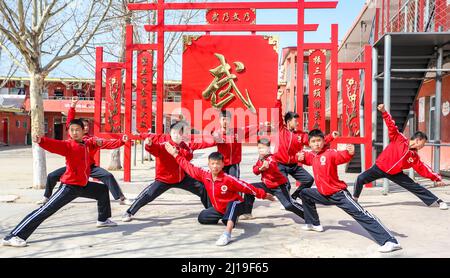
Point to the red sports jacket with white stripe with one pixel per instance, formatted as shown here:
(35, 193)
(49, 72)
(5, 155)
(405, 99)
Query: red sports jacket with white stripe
(109, 144)
(271, 177)
(230, 144)
(167, 169)
(324, 165)
(291, 142)
(398, 156)
(224, 189)
(77, 158)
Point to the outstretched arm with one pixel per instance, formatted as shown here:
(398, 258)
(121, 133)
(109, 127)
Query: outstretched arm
(342, 157)
(425, 171)
(71, 112)
(394, 133)
(278, 106)
(193, 171)
(52, 145)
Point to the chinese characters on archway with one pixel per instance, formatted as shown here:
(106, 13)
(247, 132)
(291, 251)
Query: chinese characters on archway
(228, 16)
(144, 91)
(317, 82)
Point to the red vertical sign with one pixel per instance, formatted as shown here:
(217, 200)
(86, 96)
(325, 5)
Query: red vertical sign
(350, 101)
(113, 100)
(144, 91)
(317, 82)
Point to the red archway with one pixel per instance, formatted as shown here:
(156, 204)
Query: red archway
(114, 72)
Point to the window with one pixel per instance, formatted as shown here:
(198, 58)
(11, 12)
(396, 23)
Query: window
(45, 126)
(288, 71)
(59, 94)
(431, 120)
(18, 124)
(25, 125)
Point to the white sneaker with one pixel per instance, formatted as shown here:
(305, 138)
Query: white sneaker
(42, 201)
(223, 240)
(311, 227)
(14, 242)
(389, 247)
(126, 202)
(443, 206)
(127, 217)
(247, 216)
(107, 223)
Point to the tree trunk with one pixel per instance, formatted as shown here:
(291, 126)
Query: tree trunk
(37, 127)
(114, 163)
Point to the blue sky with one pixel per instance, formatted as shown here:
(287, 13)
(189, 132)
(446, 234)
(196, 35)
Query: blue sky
(344, 15)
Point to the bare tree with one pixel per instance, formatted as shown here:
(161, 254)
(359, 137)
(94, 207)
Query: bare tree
(46, 33)
(11, 67)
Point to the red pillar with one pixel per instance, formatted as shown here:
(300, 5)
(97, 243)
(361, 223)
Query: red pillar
(300, 58)
(98, 95)
(128, 101)
(368, 108)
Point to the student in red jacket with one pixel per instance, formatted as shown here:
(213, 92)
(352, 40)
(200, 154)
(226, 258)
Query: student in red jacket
(75, 183)
(332, 191)
(273, 181)
(96, 171)
(223, 191)
(401, 154)
(229, 142)
(168, 172)
(291, 141)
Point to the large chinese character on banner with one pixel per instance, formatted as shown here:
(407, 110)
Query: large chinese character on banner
(317, 82)
(350, 101)
(224, 72)
(144, 91)
(113, 100)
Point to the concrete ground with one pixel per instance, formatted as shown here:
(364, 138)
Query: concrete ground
(168, 227)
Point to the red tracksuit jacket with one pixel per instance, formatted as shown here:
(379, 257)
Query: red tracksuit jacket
(230, 145)
(77, 158)
(290, 143)
(397, 156)
(271, 177)
(224, 189)
(168, 170)
(324, 165)
(107, 144)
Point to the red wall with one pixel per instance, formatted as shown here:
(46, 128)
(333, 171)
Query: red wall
(16, 135)
(429, 89)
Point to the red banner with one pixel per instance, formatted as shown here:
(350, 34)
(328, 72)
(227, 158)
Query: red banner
(317, 82)
(113, 95)
(231, 16)
(144, 91)
(229, 72)
(350, 100)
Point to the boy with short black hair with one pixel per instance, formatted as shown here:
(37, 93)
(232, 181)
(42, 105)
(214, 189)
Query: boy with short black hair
(291, 140)
(332, 191)
(75, 183)
(229, 141)
(273, 181)
(96, 171)
(400, 154)
(223, 191)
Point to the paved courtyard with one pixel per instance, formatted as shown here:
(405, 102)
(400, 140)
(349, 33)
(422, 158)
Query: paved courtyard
(168, 227)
